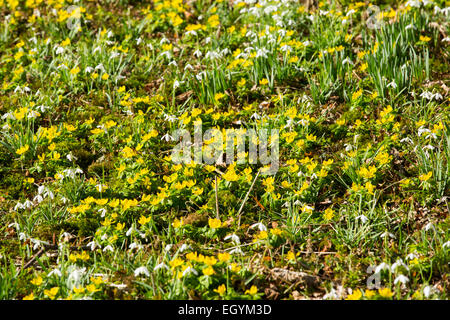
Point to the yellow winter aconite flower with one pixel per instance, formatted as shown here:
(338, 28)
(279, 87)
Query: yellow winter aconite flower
(426, 176)
(290, 256)
(29, 297)
(252, 291)
(78, 290)
(75, 70)
(385, 292)
(230, 174)
(214, 223)
(22, 150)
(177, 223)
(356, 95)
(356, 295)
(224, 257)
(263, 82)
(144, 220)
(424, 38)
(329, 214)
(52, 292)
(208, 271)
(221, 289)
(37, 281)
(369, 293)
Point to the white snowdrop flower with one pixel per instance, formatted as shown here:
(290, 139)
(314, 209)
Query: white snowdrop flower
(347, 61)
(297, 202)
(284, 48)
(184, 247)
(190, 270)
(427, 291)
(398, 263)
(8, 115)
(120, 286)
(402, 279)
(387, 234)
(213, 55)
(129, 231)
(446, 245)
(426, 95)
(42, 108)
(407, 139)
(66, 236)
(161, 266)
(350, 12)
(110, 34)
(93, 245)
(26, 89)
(55, 272)
(170, 118)
(225, 52)
(188, 67)
(168, 247)
(173, 63)
(75, 276)
(410, 26)
(331, 295)
(142, 235)
(237, 251)
(233, 238)
(422, 130)
(138, 41)
(191, 33)
(411, 256)
(176, 84)
(438, 96)
(197, 53)
(207, 40)
(22, 236)
(255, 116)
(18, 206)
(270, 9)
(102, 212)
(141, 271)
(96, 49)
(37, 243)
(114, 54)
(392, 84)
(108, 248)
(167, 137)
(413, 3)
(27, 204)
(100, 67)
(134, 245)
(382, 266)
(429, 226)
(446, 39)
(260, 226)
(14, 225)
(164, 40)
(363, 218)
(59, 50)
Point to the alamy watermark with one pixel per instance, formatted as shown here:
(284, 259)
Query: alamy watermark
(217, 147)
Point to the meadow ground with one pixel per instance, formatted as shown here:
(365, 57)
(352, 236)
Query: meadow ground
(93, 204)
